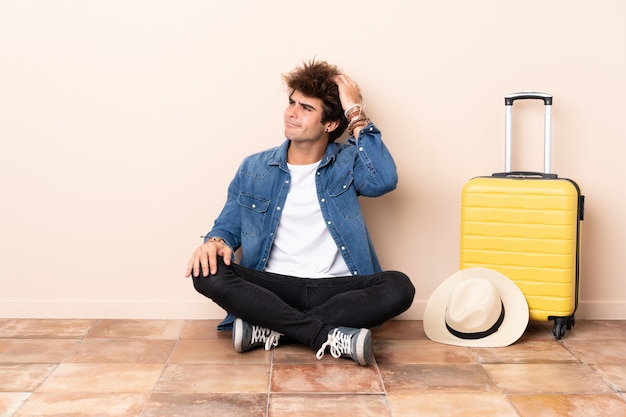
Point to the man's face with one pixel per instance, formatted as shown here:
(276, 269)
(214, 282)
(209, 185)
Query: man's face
(303, 118)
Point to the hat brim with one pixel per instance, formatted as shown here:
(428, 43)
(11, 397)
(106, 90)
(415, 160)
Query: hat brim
(515, 305)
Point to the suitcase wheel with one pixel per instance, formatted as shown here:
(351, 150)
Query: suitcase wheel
(558, 330)
(561, 324)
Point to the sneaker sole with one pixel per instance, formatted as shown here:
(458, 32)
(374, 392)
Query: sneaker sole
(238, 335)
(364, 347)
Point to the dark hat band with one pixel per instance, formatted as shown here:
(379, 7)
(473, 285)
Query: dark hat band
(479, 335)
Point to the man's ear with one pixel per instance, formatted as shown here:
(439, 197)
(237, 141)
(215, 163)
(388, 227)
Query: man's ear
(331, 125)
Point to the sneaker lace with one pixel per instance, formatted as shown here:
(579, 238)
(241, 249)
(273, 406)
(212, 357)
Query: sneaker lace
(272, 340)
(264, 335)
(338, 342)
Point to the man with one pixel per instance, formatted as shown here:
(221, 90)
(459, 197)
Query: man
(308, 269)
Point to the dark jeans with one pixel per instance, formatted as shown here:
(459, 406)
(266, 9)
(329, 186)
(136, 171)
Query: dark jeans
(306, 309)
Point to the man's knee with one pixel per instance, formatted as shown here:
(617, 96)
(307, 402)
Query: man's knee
(201, 283)
(210, 285)
(403, 289)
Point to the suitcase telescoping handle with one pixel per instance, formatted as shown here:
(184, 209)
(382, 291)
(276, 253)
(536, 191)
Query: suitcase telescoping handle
(528, 95)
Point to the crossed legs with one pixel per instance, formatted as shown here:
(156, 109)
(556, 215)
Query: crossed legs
(306, 309)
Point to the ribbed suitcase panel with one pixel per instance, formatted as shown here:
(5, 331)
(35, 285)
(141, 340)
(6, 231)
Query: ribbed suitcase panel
(528, 230)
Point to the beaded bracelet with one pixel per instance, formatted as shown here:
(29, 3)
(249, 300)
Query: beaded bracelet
(356, 119)
(352, 108)
(361, 122)
(354, 113)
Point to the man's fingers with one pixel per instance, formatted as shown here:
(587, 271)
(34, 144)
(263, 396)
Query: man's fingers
(192, 266)
(212, 260)
(227, 254)
(349, 92)
(205, 259)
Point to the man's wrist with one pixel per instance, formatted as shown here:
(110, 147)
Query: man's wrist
(215, 239)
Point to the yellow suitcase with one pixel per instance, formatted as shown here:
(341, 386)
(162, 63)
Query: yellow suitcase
(526, 225)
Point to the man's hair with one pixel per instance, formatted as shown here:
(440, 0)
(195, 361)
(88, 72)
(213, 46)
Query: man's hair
(315, 79)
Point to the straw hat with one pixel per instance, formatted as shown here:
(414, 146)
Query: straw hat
(476, 307)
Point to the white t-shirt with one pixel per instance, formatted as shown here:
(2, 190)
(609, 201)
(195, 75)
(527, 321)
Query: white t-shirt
(303, 246)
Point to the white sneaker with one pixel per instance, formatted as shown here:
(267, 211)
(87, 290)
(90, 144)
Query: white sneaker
(348, 342)
(247, 336)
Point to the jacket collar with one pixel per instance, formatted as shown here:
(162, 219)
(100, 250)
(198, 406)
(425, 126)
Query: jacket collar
(280, 155)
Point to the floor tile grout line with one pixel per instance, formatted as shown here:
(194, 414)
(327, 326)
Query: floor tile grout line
(589, 367)
(493, 381)
(269, 384)
(79, 341)
(165, 366)
(326, 393)
(382, 383)
(92, 329)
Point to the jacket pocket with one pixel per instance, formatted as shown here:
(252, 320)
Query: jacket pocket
(253, 213)
(344, 197)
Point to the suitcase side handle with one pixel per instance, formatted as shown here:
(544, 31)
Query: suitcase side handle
(528, 95)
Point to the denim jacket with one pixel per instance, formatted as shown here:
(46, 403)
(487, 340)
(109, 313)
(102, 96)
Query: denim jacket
(360, 167)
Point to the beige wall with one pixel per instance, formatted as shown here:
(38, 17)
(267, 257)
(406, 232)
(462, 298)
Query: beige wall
(122, 122)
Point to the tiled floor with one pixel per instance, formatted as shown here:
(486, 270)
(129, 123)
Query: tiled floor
(187, 368)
